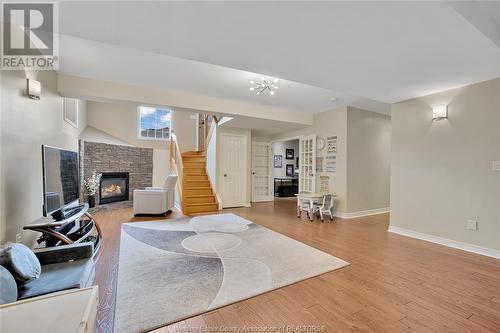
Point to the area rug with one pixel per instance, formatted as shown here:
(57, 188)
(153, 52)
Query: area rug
(174, 269)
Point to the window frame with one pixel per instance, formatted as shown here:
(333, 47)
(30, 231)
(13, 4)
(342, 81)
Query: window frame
(140, 137)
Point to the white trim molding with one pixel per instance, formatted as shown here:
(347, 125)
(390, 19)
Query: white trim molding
(446, 242)
(362, 213)
(178, 207)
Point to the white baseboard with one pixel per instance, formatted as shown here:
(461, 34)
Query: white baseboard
(446, 242)
(362, 213)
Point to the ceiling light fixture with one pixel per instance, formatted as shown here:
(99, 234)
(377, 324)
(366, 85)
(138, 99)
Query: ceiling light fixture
(268, 85)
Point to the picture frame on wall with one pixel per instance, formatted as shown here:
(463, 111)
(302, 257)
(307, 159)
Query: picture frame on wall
(278, 161)
(289, 154)
(289, 170)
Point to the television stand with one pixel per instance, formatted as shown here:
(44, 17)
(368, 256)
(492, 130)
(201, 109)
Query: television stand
(76, 225)
(63, 214)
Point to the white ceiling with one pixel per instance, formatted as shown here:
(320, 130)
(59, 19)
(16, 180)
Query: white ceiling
(102, 61)
(382, 51)
(263, 128)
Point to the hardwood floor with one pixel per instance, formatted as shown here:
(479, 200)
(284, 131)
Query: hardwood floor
(394, 283)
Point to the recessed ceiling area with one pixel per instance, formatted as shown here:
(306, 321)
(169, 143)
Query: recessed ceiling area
(261, 127)
(101, 61)
(372, 52)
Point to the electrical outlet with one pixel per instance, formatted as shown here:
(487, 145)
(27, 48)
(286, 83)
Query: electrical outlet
(18, 238)
(495, 165)
(472, 225)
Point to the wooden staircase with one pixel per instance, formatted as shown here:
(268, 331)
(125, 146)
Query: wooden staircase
(197, 194)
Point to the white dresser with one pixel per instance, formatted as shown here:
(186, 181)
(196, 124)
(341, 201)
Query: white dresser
(63, 312)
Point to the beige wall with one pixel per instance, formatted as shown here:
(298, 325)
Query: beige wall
(328, 123)
(441, 172)
(26, 124)
(2, 165)
(279, 148)
(368, 160)
(361, 181)
(116, 123)
(185, 127)
(161, 166)
(119, 120)
(94, 135)
(78, 86)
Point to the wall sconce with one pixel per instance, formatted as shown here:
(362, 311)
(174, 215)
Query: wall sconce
(34, 88)
(440, 112)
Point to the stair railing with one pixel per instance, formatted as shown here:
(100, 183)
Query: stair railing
(177, 167)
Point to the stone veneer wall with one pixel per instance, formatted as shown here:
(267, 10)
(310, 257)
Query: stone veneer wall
(103, 157)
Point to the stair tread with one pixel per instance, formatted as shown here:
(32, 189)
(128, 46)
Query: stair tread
(201, 204)
(193, 153)
(199, 195)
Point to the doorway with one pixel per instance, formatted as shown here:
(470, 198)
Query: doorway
(234, 168)
(285, 170)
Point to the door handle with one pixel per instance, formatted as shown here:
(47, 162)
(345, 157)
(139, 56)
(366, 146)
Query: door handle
(253, 173)
(225, 175)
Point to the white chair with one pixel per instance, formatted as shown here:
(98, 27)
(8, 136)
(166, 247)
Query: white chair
(156, 200)
(325, 208)
(304, 205)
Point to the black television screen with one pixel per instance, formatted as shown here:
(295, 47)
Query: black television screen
(60, 178)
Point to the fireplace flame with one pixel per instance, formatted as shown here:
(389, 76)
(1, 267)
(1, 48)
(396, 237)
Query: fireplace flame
(113, 188)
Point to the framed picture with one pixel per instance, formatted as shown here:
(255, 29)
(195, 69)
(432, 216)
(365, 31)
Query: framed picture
(289, 154)
(278, 161)
(289, 170)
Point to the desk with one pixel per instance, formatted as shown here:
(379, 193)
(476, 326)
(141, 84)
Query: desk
(62, 312)
(286, 187)
(311, 198)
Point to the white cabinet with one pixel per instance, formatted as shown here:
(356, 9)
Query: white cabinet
(63, 312)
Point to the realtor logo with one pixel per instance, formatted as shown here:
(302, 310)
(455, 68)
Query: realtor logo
(29, 37)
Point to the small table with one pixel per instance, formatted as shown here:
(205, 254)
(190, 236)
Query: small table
(312, 198)
(62, 312)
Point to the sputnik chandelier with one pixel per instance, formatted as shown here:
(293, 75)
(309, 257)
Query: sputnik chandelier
(268, 85)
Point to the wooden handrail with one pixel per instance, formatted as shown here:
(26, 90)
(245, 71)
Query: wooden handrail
(207, 132)
(205, 129)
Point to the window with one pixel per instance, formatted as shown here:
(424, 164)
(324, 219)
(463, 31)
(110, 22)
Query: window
(154, 123)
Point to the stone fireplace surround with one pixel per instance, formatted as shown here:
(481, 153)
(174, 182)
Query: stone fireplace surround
(103, 157)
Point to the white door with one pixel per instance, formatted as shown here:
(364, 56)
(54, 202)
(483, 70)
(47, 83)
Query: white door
(233, 159)
(262, 189)
(307, 164)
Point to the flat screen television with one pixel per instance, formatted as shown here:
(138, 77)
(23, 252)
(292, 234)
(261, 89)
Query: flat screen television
(60, 179)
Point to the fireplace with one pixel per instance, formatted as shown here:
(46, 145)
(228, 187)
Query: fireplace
(113, 187)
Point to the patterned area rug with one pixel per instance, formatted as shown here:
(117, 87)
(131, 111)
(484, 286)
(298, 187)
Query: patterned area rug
(174, 269)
